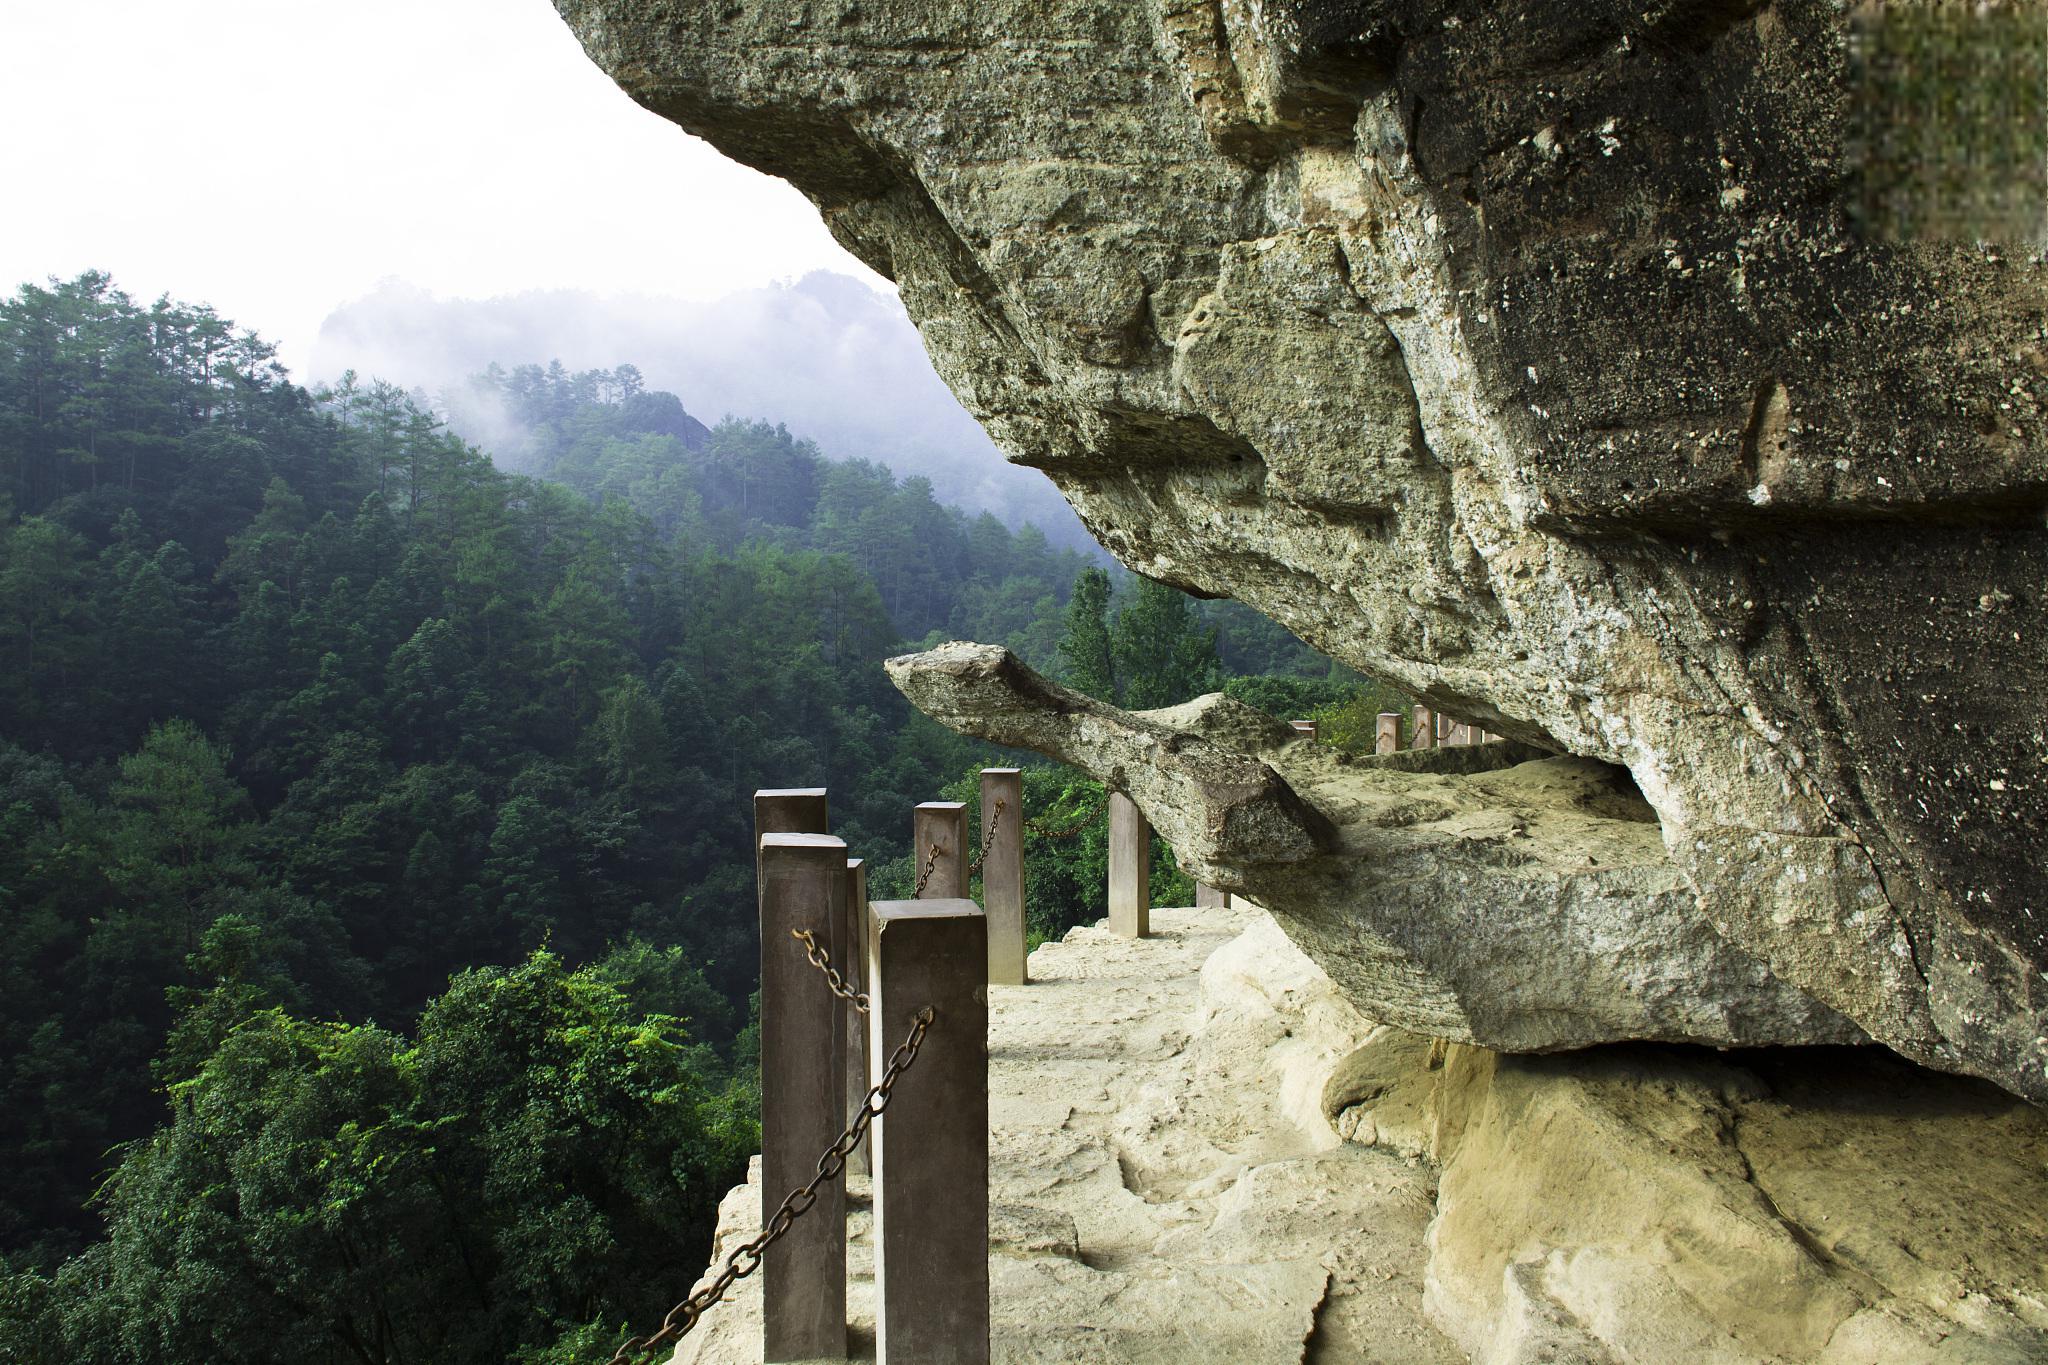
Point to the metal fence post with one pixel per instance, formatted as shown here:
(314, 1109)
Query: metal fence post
(1130, 868)
(931, 1140)
(803, 1099)
(940, 826)
(1002, 874)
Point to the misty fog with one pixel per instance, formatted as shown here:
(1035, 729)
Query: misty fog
(827, 356)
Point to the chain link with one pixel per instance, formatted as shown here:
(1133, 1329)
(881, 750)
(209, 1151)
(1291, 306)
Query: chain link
(931, 861)
(987, 836)
(822, 960)
(746, 1258)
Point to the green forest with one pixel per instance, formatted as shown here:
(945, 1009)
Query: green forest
(375, 823)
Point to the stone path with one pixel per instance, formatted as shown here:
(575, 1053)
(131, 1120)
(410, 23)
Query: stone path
(1149, 1200)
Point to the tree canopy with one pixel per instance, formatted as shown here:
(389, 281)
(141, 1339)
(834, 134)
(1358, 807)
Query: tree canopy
(375, 822)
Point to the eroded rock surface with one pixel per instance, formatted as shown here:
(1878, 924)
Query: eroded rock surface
(1499, 896)
(1201, 1153)
(1527, 356)
(1654, 1204)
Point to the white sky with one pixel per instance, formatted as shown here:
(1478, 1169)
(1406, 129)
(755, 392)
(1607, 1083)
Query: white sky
(276, 158)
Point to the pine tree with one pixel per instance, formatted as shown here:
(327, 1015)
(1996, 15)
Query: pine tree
(1164, 655)
(1086, 659)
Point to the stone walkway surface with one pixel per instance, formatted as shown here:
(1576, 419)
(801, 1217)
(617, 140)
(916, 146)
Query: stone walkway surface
(1150, 1199)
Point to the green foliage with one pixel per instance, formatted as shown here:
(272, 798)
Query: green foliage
(1164, 655)
(180, 812)
(1346, 713)
(325, 708)
(1290, 698)
(1066, 849)
(1155, 647)
(1251, 645)
(1087, 659)
(544, 1155)
(307, 708)
(31, 1326)
(1353, 723)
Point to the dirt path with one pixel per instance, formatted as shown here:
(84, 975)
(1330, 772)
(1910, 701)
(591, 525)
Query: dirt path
(1148, 1201)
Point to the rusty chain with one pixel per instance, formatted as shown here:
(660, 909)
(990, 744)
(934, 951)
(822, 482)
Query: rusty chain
(746, 1258)
(931, 861)
(987, 836)
(822, 960)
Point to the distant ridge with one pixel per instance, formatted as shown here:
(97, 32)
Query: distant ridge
(831, 358)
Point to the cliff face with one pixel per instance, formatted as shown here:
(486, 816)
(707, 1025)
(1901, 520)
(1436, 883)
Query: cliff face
(1531, 357)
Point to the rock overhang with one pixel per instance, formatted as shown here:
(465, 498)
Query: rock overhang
(1531, 359)
(1498, 894)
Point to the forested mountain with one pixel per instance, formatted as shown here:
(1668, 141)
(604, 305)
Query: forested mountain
(375, 824)
(831, 356)
(941, 573)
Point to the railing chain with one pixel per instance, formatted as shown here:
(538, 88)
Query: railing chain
(822, 960)
(746, 1258)
(931, 861)
(987, 836)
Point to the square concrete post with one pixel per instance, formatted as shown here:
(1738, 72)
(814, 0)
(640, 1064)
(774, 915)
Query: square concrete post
(805, 810)
(788, 810)
(1306, 727)
(1387, 733)
(1208, 897)
(803, 1096)
(931, 1140)
(1130, 868)
(1425, 728)
(854, 967)
(1002, 874)
(941, 825)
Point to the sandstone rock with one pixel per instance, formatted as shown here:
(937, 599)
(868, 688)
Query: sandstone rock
(1528, 908)
(1656, 1204)
(1158, 1197)
(1667, 1206)
(1531, 358)
(1379, 1094)
(1262, 998)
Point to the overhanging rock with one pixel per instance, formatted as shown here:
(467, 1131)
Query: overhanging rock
(1544, 360)
(1509, 898)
